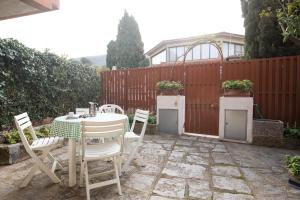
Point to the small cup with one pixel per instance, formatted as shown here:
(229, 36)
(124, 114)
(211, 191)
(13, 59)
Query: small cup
(71, 114)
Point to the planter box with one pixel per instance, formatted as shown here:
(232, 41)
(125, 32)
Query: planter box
(268, 132)
(12, 153)
(294, 182)
(150, 130)
(236, 93)
(169, 92)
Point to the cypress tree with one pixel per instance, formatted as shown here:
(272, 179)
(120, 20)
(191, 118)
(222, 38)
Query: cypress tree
(263, 35)
(128, 49)
(111, 57)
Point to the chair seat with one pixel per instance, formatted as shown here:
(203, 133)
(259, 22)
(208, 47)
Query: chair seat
(131, 136)
(47, 142)
(101, 150)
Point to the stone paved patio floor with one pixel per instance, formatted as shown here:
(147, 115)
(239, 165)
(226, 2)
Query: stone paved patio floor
(170, 167)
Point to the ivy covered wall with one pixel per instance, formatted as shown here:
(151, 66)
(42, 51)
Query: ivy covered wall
(41, 83)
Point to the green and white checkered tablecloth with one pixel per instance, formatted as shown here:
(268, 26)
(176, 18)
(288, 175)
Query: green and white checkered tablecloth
(71, 128)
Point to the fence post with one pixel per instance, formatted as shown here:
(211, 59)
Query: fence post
(298, 92)
(126, 90)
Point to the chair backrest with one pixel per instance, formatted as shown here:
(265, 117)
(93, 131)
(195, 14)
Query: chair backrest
(113, 130)
(82, 111)
(111, 108)
(141, 116)
(23, 122)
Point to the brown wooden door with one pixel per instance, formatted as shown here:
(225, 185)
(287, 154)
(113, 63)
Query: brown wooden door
(202, 88)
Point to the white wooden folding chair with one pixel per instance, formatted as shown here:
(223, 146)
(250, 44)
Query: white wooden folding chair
(132, 140)
(45, 145)
(113, 131)
(82, 111)
(111, 108)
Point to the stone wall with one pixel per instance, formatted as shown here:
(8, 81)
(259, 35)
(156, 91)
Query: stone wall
(268, 133)
(12, 153)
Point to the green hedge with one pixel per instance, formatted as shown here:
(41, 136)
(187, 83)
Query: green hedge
(41, 83)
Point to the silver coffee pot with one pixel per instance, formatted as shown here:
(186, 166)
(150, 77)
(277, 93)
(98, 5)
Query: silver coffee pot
(93, 109)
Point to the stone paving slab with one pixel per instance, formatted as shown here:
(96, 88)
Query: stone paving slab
(159, 198)
(222, 158)
(228, 196)
(183, 170)
(197, 159)
(199, 189)
(170, 187)
(226, 171)
(140, 182)
(170, 167)
(233, 184)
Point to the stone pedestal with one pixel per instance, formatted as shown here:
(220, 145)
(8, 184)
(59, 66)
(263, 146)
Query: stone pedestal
(268, 132)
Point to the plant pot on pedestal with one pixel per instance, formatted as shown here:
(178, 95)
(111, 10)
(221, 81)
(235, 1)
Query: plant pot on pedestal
(169, 92)
(237, 88)
(236, 93)
(294, 182)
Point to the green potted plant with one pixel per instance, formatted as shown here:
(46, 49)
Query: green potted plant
(169, 87)
(151, 125)
(238, 88)
(293, 166)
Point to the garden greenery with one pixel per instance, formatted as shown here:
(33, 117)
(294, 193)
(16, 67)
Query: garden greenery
(169, 85)
(244, 85)
(13, 136)
(293, 165)
(151, 118)
(291, 133)
(41, 83)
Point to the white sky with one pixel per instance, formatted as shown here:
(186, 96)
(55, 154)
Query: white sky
(84, 27)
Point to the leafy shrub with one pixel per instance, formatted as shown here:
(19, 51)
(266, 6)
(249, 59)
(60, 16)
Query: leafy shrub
(130, 118)
(152, 119)
(291, 133)
(13, 136)
(293, 165)
(169, 85)
(244, 85)
(41, 83)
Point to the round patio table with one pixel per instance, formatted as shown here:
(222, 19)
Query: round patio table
(71, 129)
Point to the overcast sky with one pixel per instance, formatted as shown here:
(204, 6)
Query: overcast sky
(84, 27)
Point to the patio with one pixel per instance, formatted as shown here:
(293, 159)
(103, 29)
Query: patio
(171, 167)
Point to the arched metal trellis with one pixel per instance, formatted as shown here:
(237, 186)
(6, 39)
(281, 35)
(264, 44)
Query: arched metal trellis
(191, 47)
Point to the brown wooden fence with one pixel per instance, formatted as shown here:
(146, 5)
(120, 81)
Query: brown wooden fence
(276, 88)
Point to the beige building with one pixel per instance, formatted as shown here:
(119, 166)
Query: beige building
(232, 45)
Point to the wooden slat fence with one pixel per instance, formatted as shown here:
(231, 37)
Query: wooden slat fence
(276, 85)
(276, 88)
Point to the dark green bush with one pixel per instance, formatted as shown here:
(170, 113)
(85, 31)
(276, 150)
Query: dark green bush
(41, 83)
(152, 119)
(291, 133)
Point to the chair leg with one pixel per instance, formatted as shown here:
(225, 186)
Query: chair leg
(82, 166)
(131, 156)
(87, 181)
(116, 167)
(49, 173)
(120, 160)
(53, 160)
(29, 176)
